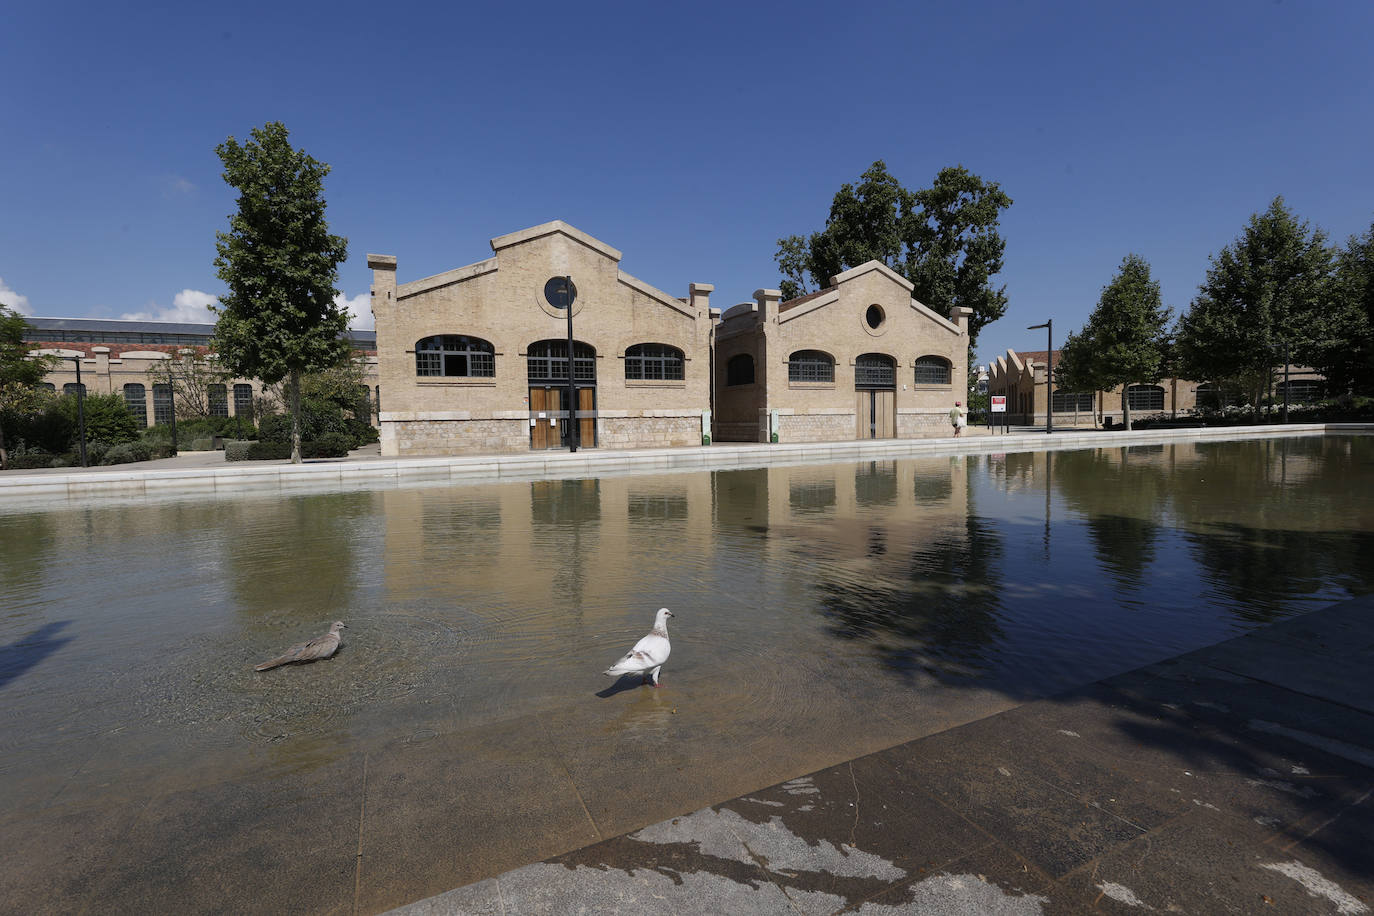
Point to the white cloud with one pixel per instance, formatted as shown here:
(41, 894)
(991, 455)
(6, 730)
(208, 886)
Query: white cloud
(20, 303)
(190, 305)
(360, 308)
(178, 185)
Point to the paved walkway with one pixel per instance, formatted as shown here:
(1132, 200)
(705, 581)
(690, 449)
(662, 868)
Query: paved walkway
(1234, 779)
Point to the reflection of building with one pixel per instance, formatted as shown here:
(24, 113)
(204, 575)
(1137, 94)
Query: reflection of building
(476, 359)
(1020, 377)
(116, 357)
(860, 359)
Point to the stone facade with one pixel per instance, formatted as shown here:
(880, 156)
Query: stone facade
(859, 359)
(504, 388)
(1020, 377)
(116, 357)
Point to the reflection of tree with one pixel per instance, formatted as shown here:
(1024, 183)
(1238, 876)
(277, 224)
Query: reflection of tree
(1121, 496)
(938, 614)
(1273, 521)
(1262, 571)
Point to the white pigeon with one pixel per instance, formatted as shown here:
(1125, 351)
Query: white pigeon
(649, 653)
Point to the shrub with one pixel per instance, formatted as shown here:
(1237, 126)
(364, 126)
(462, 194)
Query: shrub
(362, 432)
(46, 430)
(267, 451)
(107, 418)
(31, 459)
(201, 445)
(237, 449)
(318, 418)
(127, 452)
(95, 451)
(330, 445)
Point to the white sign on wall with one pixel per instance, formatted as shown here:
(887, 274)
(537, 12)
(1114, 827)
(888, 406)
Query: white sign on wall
(999, 403)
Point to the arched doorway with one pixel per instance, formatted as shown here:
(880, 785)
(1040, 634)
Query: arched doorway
(547, 370)
(875, 396)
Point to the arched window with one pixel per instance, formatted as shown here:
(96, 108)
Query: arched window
(740, 370)
(72, 388)
(933, 370)
(1070, 401)
(162, 403)
(874, 370)
(456, 355)
(1145, 397)
(218, 396)
(136, 399)
(49, 387)
(651, 361)
(243, 400)
(547, 360)
(810, 366)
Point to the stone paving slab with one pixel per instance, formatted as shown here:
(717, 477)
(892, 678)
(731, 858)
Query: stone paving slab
(1229, 780)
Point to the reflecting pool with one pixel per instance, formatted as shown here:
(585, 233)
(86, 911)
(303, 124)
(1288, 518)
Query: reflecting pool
(821, 611)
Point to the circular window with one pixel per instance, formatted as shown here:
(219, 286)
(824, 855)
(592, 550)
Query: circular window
(874, 316)
(560, 292)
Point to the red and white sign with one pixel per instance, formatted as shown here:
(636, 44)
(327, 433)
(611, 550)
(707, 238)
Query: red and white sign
(999, 403)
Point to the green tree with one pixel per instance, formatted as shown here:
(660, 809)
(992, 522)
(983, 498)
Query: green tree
(954, 249)
(19, 373)
(280, 263)
(943, 239)
(1345, 353)
(1125, 341)
(107, 417)
(1263, 292)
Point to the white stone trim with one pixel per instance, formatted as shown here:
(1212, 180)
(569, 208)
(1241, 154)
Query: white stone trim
(657, 295)
(556, 226)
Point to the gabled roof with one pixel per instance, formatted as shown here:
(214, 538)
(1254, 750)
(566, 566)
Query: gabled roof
(557, 227)
(801, 300)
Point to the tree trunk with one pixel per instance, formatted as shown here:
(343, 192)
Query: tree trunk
(1126, 406)
(295, 386)
(4, 455)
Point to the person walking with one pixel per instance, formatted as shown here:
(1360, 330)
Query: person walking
(957, 417)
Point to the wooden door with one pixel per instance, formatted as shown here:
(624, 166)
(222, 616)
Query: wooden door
(863, 414)
(885, 414)
(586, 421)
(543, 434)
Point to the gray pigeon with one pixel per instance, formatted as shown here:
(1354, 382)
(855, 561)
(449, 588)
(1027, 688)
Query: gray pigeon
(319, 647)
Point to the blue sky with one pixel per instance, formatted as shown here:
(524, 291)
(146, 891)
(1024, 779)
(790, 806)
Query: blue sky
(690, 136)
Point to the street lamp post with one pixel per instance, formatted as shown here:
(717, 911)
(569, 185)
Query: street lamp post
(1049, 372)
(80, 406)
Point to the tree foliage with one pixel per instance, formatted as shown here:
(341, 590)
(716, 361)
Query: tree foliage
(19, 372)
(1125, 340)
(944, 239)
(1346, 354)
(1264, 291)
(280, 263)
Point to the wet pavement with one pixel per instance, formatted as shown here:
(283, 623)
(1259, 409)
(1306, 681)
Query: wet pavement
(1233, 779)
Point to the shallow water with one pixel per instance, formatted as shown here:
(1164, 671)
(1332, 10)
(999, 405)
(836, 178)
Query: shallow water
(804, 596)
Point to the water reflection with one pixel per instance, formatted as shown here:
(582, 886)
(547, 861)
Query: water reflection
(801, 594)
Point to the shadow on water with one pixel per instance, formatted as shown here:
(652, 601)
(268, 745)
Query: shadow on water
(623, 684)
(27, 652)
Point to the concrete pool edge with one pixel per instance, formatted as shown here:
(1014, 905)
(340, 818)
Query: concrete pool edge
(125, 482)
(1240, 771)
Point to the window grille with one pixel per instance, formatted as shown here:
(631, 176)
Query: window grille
(932, 370)
(162, 403)
(243, 400)
(1070, 401)
(1299, 390)
(136, 399)
(218, 397)
(810, 366)
(455, 355)
(873, 370)
(1145, 397)
(653, 361)
(547, 360)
